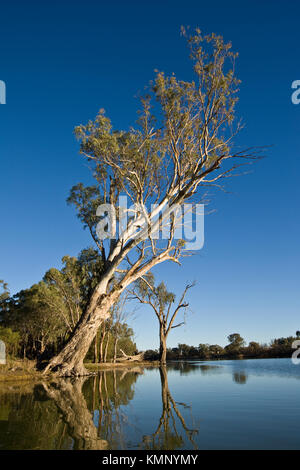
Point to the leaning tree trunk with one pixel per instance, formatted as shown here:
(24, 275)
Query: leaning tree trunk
(69, 362)
(162, 345)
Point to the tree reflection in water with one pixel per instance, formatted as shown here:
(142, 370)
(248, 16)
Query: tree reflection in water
(88, 414)
(187, 368)
(114, 390)
(68, 397)
(240, 377)
(167, 435)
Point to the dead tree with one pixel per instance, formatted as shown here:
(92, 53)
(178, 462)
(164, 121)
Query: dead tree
(161, 301)
(135, 358)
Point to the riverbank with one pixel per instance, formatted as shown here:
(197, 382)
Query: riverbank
(19, 369)
(15, 370)
(120, 365)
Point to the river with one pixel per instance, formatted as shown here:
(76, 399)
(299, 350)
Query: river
(242, 404)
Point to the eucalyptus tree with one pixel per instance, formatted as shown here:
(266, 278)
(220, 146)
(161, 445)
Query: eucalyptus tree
(72, 286)
(4, 296)
(120, 328)
(48, 312)
(32, 316)
(163, 305)
(204, 350)
(236, 342)
(5, 291)
(183, 141)
(11, 340)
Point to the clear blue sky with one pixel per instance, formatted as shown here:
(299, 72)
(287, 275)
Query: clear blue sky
(64, 60)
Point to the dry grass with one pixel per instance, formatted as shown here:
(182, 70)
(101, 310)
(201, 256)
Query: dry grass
(24, 369)
(120, 365)
(16, 369)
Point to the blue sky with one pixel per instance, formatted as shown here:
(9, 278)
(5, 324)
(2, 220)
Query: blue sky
(63, 61)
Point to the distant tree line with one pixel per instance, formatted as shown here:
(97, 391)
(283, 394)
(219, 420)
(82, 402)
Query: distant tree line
(36, 322)
(236, 349)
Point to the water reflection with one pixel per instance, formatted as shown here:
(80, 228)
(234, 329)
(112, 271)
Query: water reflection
(107, 398)
(187, 368)
(29, 420)
(72, 407)
(168, 436)
(88, 414)
(148, 408)
(184, 368)
(240, 377)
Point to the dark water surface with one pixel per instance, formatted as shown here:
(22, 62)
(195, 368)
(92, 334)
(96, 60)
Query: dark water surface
(246, 404)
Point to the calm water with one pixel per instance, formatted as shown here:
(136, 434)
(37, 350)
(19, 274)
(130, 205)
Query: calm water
(248, 404)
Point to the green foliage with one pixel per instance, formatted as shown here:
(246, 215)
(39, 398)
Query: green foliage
(5, 292)
(32, 313)
(184, 132)
(280, 347)
(203, 350)
(11, 339)
(124, 336)
(73, 285)
(119, 154)
(86, 200)
(158, 295)
(235, 339)
(236, 342)
(215, 350)
(46, 314)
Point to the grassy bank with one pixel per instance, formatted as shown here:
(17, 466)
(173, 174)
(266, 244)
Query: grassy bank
(120, 365)
(16, 369)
